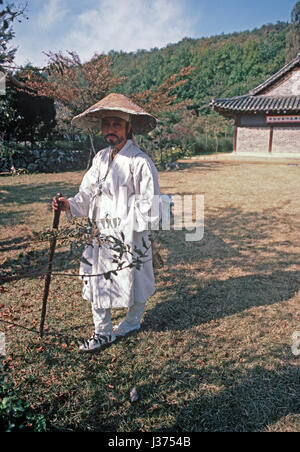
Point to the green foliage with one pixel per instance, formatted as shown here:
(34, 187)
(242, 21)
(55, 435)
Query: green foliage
(170, 154)
(16, 415)
(225, 65)
(81, 143)
(9, 12)
(295, 14)
(293, 35)
(8, 113)
(184, 134)
(63, 145)
(10, 151)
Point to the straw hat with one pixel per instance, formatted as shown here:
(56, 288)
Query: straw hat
(116, 105)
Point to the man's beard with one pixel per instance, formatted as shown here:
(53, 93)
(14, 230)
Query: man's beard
(108, 139)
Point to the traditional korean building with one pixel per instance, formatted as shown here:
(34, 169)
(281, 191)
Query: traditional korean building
(267, 119)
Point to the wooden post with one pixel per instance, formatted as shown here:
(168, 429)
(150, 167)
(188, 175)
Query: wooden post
(50, 259)
(235, 139)
(270, 140)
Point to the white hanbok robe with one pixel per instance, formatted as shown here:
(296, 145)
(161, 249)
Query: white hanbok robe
(125, 191)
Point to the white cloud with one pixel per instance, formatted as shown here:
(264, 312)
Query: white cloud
(128, 25)
(100, 26)
(53, 12)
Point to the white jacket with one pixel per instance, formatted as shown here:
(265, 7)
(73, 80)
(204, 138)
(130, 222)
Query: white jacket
(121, 196)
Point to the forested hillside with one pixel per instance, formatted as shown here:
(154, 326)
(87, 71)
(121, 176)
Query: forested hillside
(224, 65)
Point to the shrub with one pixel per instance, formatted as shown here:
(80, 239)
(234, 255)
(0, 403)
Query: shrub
(209, 145)
(16, 414)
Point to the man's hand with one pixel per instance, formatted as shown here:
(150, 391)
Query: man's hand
(64, 204)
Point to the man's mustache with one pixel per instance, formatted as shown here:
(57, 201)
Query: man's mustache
(110, 135)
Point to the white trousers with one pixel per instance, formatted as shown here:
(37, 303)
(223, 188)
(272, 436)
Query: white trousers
(102, 318)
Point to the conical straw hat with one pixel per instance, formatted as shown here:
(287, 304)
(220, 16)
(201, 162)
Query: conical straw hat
(141, 121)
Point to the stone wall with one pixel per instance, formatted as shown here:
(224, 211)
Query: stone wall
(46, 161)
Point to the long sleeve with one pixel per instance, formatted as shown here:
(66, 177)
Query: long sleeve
(146, 199)
(81, 202)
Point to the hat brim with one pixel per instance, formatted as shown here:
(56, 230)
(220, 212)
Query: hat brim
(141, 122)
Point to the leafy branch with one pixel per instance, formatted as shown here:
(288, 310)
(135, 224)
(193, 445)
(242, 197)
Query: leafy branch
(77, 237)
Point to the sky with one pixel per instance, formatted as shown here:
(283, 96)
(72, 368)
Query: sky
(98, 26)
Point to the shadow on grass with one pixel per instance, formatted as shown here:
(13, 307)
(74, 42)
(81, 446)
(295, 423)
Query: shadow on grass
(203, 165)
(233, 241)
(13, 244)
(249, 400)
(13, 218)
(26, 193)
(34, 263)
(219, 299)
(259, 400)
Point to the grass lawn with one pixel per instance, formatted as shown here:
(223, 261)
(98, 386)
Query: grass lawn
(214, 352)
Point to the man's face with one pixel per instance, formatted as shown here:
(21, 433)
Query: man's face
(115, 131)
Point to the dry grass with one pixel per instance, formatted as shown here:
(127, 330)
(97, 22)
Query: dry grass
(214, 353)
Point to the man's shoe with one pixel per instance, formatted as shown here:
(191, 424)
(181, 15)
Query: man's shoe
(125, 328)
(96, 342)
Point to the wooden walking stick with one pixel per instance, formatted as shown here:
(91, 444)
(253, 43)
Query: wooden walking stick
(50, 259)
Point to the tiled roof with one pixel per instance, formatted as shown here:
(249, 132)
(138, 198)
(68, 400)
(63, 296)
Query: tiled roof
(256, 102)
(250, 103)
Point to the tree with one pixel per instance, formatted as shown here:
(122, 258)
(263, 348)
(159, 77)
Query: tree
(36, 117)
(8, 115)
(74, 85)
(162, 98)
(8, 14)
(295, 14)
(293, 36)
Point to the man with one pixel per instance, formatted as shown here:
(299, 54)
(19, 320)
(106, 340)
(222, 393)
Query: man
(120, 193)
